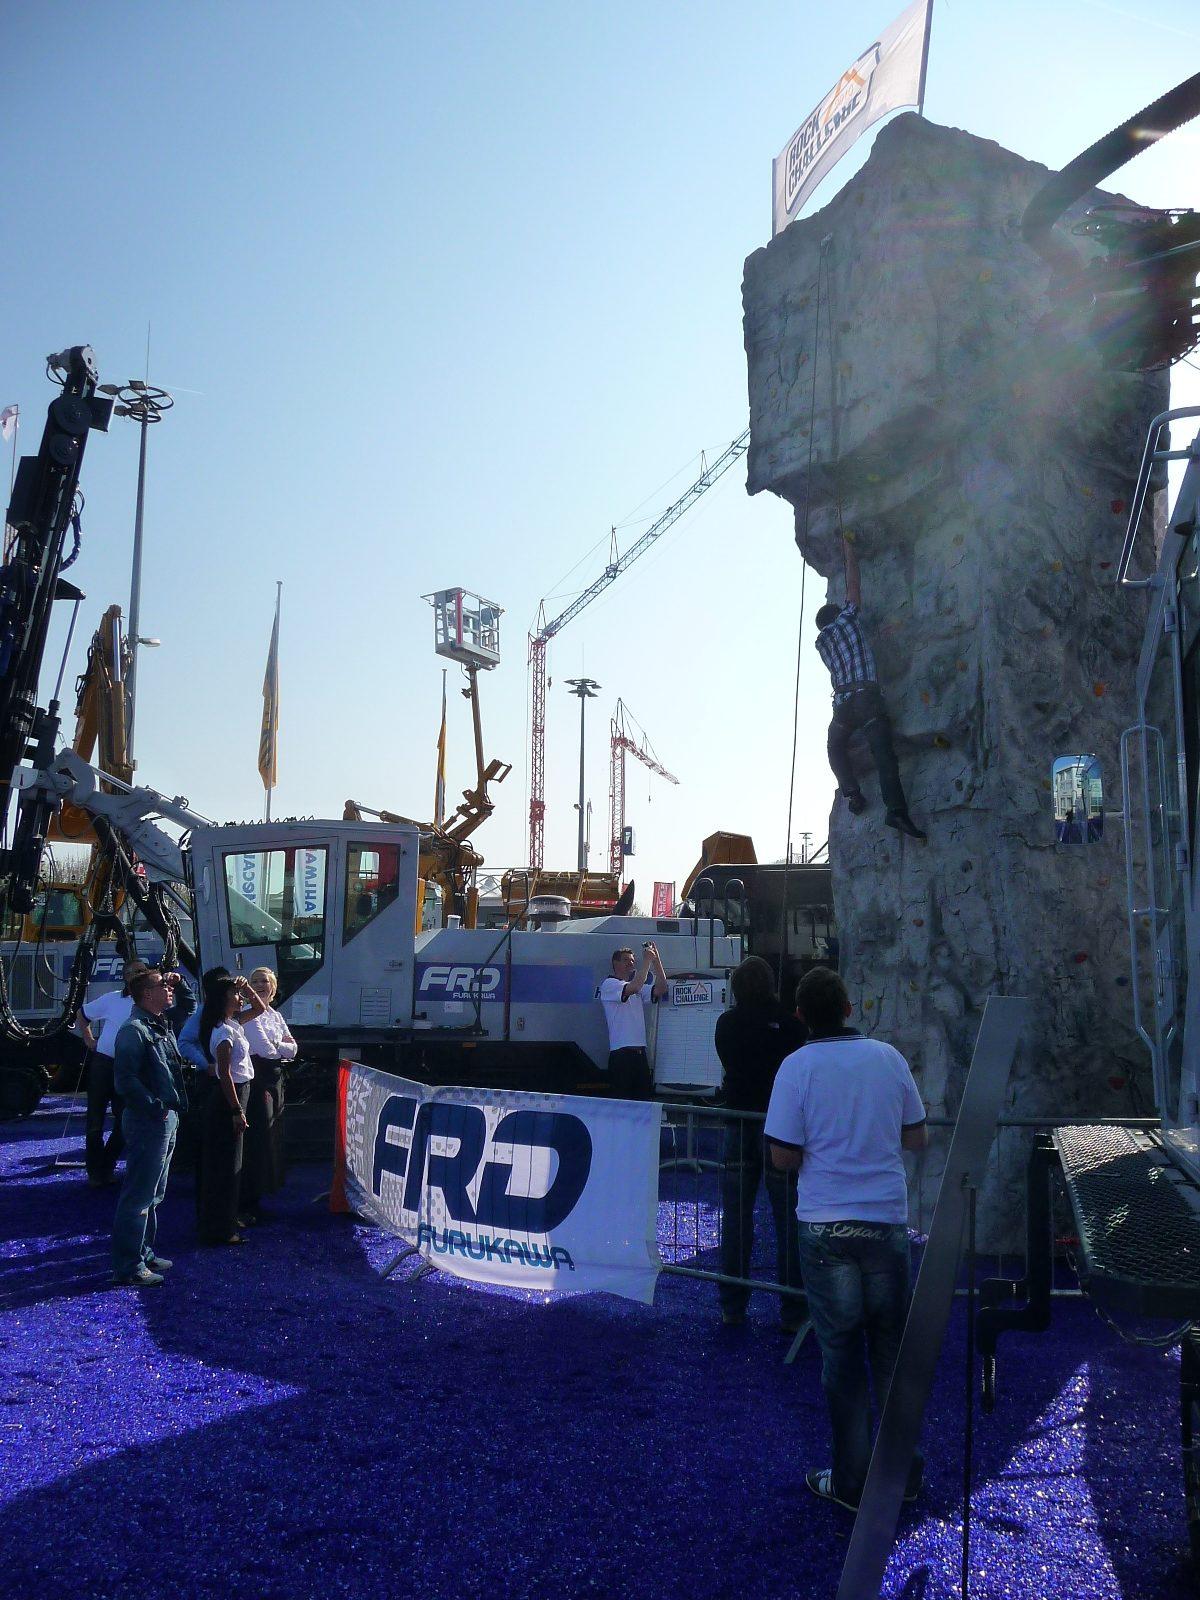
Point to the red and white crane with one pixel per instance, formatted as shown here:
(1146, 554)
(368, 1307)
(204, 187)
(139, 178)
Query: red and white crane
(545, 631)
(622, 742)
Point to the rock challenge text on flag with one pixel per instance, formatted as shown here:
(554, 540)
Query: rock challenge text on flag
(887, 75)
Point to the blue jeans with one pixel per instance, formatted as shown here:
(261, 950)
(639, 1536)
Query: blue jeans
(149, 1145)
(741, 1172)
(856, 1275)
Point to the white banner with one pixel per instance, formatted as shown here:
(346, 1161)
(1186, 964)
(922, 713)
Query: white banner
(555, 1192)
(888, 75)
(310, 883)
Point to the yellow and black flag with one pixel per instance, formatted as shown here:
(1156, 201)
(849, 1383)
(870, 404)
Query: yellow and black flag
(268, 738)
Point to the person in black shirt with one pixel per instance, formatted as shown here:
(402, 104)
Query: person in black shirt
(752, 1040)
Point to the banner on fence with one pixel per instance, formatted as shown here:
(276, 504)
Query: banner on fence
(553, 1192)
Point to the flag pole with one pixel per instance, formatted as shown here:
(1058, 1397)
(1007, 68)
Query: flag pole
(439, 787)
(12, 475)
(274, 722)
(924, 58)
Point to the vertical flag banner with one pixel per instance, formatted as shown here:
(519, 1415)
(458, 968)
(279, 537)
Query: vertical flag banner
(310, 883)
(268, 738)
(663, 904)
(439, 788)
(887, 75)
(8, 422)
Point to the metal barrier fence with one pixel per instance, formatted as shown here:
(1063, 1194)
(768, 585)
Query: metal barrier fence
(717, 1223)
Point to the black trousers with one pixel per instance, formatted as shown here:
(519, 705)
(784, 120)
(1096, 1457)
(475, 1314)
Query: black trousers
(101, 1156)
(745, 1165)
(219, 1174)
(864, 712)
(262, 1158)
(630, 1075)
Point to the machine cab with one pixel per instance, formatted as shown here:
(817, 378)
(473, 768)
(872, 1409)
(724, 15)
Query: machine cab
(329, 906)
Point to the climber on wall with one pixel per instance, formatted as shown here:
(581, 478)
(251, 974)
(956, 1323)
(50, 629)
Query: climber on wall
(858, 704)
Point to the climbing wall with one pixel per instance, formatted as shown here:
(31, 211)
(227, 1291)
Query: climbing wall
(908, 385)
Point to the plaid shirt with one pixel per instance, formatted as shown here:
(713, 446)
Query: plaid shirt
(843, 647)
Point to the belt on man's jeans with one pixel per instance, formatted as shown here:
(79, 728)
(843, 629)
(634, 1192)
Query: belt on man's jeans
(843, 695)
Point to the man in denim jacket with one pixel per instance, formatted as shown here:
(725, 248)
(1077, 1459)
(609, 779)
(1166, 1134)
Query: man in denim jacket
(149, 1078)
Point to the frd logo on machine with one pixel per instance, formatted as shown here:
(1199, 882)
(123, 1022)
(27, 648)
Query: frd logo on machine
(439, 1156)
(460, 983)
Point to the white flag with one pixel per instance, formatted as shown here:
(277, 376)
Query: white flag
(8, 421)
(885, 77)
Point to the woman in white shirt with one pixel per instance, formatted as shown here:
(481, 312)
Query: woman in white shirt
(228, 1002)
(271, 1044)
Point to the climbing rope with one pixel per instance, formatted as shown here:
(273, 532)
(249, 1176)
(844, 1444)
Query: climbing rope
(812, 419)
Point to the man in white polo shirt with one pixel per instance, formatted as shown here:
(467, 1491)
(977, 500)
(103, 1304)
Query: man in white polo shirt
(99, 1021)
(842, 1110)
(625, 996)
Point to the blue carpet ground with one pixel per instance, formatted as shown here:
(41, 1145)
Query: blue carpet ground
(279, 1421)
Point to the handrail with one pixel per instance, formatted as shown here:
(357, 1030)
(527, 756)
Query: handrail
(475, 992)
(712, 915)
(1131, 909)
(1150, 455)
(739, 900)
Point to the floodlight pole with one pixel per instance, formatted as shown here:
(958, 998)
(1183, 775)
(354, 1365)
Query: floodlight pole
(145, 405)
(585, 689)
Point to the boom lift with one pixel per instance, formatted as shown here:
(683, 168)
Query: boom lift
(466, 630)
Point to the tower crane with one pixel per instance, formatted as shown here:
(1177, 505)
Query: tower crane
(622, 742)
(545, 631)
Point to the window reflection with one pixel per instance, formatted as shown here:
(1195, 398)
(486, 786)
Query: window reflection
(1077, 787)
(372, 883)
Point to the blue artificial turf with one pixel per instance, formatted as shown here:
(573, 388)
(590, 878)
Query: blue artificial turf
(280, 1421)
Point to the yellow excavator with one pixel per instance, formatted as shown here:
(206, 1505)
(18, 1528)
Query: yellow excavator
(65, 907)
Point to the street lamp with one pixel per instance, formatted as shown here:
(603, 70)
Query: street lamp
(585, 689)
(146, 405)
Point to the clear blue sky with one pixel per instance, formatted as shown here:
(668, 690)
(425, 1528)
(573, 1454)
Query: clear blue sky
(457, 288)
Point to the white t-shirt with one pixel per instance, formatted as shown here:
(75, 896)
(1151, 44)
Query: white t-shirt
(112, 1011)
(241, 1068)
(266, 1036)
(626, 1018)
(843, 1101)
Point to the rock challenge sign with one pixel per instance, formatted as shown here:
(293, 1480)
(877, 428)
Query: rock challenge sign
(888, 75)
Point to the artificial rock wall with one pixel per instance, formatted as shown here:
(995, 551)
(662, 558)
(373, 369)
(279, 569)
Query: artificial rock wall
(983, 464)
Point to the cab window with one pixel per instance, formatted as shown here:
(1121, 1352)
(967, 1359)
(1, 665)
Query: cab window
(276, 898)
(372, 883)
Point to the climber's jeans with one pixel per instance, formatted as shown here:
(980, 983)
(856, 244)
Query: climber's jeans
(864, 712)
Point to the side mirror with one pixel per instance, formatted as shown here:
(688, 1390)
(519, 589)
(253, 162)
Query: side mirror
(1077, 788)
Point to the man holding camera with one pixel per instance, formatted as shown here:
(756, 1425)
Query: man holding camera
(148, 1071)
(625, 996)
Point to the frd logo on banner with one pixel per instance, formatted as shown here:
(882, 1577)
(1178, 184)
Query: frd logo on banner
(536, 1191)
(557, 1143)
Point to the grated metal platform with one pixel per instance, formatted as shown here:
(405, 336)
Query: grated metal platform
(1138, 1219)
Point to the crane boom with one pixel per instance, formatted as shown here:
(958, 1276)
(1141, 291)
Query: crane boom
(546, 631)
(623, 741)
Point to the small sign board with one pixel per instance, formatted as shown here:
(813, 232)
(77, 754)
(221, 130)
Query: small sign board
(691, 992)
